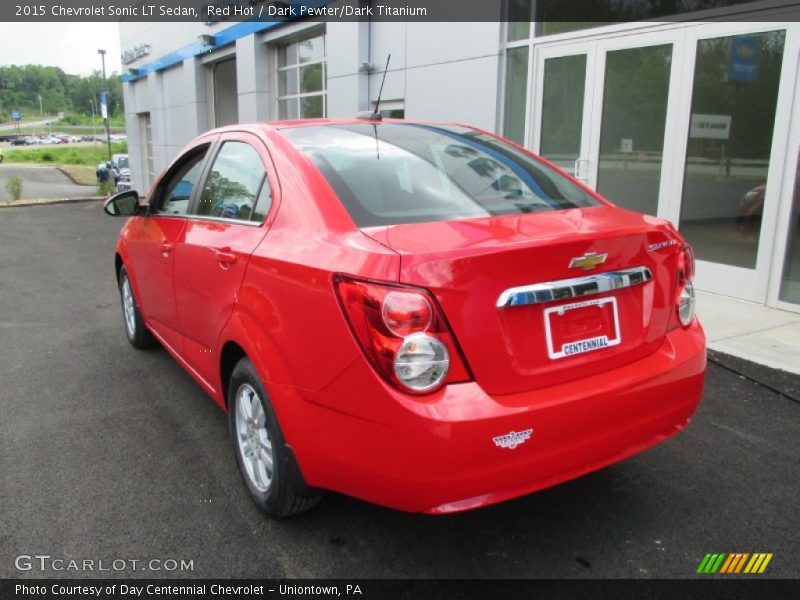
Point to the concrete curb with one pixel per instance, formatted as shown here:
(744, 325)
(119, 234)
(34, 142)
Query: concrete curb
(49, 201)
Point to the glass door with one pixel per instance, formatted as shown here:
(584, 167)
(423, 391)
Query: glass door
(563, 98)
(734, 126)
(602, 109)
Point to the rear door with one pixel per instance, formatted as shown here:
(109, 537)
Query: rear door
(227, 221)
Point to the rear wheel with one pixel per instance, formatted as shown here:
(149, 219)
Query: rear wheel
(267, 464)
(137, 333)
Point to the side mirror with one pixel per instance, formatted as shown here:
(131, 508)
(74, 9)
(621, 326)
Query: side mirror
(124, 204)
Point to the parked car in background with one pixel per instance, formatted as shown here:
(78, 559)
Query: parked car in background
(122, 172)
(20, 141)
(422, 315)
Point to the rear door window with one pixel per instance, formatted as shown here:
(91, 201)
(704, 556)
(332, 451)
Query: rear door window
(233, 184)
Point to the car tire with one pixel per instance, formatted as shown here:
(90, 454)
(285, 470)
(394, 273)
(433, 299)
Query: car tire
(138, 335)
(279, 491)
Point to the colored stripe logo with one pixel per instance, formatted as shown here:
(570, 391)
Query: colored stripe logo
(735, 563)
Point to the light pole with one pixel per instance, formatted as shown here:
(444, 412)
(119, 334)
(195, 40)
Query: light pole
(104, 103)
(94, 130)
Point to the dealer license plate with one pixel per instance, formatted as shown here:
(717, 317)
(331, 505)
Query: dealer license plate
(581, 327)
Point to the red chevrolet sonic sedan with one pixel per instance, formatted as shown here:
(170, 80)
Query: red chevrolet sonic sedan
(422, 315)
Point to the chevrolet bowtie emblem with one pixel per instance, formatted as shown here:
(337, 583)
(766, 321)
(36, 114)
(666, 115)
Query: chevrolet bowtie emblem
(588, 261)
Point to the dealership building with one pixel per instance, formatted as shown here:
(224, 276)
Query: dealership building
(691, 117)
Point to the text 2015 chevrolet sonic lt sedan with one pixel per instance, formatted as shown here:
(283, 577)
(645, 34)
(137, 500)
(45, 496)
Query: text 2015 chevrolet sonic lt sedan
(425, 316)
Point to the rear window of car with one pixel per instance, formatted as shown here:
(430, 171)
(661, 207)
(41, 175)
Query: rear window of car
(391, 173)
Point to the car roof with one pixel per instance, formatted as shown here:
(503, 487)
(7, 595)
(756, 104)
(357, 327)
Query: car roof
(278, 125)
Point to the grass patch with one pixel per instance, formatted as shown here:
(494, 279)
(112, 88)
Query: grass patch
(66, 155)
(80, 174)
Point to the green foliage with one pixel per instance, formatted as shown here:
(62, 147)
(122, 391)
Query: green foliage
(67, 155)
(14, 187)
(105, 188)
(21, 86)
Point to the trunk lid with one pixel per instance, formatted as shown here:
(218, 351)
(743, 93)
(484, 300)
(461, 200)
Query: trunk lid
(468, 264)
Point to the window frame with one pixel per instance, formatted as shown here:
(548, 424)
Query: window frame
(297, 65)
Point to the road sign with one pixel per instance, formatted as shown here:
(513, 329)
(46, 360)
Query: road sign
(16, 115)
(710, 127)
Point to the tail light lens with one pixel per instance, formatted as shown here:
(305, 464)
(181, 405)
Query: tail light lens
(403, 334)
(684, 297)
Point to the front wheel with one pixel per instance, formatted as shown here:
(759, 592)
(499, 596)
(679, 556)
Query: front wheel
(267, 464)
(137, 333)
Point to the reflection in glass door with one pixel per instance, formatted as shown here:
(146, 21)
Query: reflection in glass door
(635, 93)
(734, 102)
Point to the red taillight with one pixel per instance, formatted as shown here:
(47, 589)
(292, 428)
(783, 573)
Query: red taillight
(686, 263)
(684, 290)
(388, 319)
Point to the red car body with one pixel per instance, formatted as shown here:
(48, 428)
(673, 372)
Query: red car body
(212, 291)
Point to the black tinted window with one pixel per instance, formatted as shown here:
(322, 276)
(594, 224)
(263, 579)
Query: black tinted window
(180, 183)
(233, 182)
(405, 173)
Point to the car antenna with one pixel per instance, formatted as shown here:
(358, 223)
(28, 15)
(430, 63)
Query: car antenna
(375, 115)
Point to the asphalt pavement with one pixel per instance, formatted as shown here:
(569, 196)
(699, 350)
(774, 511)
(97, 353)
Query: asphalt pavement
(110, 453)
(42, 182)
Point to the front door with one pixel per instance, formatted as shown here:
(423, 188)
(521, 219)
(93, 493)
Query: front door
(152, 245)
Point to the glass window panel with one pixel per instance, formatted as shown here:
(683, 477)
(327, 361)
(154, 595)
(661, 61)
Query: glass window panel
(516, 94)
(519, 17)
(311, 107)
(562, 109)
(790, 282)
(287, 82)
(727, 157)
(311, 79)
(287, 109)
(311, 50)
(559, 16)
(177, 193)
(233, 182)
(287, 55)
(633, 123)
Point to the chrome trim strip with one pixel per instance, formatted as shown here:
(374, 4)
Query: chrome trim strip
(573, 288)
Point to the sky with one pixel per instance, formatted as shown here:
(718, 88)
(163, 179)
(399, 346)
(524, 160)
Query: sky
(71, 46)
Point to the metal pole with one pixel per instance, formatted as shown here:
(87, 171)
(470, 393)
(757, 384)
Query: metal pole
(102, 54)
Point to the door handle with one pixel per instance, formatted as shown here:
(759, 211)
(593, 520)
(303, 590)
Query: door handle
(577, 170)
(167, 248)
(225, 257)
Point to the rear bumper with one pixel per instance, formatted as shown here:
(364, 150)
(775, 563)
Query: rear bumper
(439, 456)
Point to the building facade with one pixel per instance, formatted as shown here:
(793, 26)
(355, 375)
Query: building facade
(696, 120)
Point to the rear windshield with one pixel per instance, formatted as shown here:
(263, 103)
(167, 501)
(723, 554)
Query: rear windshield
(392, 173)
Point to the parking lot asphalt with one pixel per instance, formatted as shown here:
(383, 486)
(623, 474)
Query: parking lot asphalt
(110, 453)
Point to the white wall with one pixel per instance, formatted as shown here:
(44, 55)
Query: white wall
(442, 71)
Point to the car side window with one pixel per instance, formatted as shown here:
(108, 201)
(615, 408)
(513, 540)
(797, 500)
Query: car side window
(233, 183)
(177, 191)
